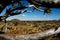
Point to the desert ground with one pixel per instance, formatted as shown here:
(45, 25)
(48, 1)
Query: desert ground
(18, 27)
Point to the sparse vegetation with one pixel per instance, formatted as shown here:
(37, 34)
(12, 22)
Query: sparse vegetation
(29, 27)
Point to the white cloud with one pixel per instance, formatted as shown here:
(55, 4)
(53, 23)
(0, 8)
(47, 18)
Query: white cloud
(23, 15)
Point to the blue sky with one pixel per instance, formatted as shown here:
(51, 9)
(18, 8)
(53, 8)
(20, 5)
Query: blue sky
(36, 15)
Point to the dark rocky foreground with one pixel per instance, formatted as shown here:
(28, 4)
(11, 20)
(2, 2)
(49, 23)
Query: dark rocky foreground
(50, 34)
(53, 37)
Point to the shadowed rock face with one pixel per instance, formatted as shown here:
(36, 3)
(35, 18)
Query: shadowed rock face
(55, 1)
(50, 3)
(2, 38)
(3, 4)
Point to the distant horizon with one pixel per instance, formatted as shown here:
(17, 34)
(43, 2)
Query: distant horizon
(33, 20)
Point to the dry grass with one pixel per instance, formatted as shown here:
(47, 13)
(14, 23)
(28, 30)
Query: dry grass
(26, 27)
(30, 27)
